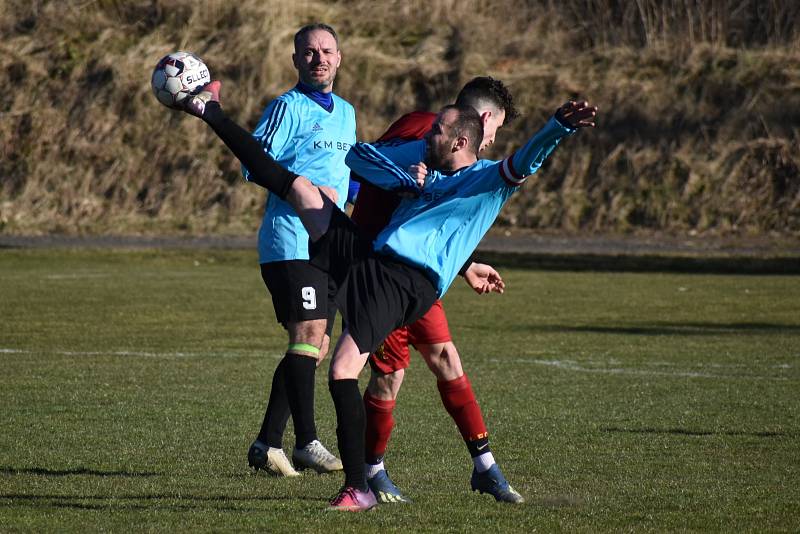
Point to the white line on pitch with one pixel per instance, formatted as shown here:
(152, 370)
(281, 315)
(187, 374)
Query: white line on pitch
(76, 276)
(570, 366)
(141, 354)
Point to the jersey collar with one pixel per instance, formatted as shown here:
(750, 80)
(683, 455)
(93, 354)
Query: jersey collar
(325, 100)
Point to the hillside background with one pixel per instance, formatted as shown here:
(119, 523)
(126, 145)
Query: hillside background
(698, 132)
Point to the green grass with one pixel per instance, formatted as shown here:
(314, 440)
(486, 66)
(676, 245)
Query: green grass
(133, 383)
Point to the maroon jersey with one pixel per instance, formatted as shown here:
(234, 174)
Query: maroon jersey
(374, 206)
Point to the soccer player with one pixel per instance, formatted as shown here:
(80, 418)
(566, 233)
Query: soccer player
(392, 282)
(430, 335)
(308, 130)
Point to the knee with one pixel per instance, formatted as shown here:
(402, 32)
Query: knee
(441, 355)
(309, 333)
(346, 366)
(443, 360)
(385, 386)
(336, 372)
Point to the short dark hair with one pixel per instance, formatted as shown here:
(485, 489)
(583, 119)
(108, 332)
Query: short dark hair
(485, 89)
(315, 26)
(468, 124)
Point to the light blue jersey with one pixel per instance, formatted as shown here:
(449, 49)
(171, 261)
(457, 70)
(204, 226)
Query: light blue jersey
(438, 230)
(307, 140)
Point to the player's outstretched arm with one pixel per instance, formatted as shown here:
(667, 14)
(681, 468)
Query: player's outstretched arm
(577, 114)
(484, 279)
(567, 119)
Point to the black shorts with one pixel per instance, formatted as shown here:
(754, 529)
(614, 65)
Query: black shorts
(375, 294)
(300, 292)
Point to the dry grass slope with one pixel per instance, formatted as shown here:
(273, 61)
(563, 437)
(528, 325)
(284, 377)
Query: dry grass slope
(698, 133)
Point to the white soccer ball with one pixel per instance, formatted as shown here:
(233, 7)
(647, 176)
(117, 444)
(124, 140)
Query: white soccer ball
(177, 76)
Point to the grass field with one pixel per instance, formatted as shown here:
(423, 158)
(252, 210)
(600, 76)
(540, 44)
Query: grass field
(134, 381)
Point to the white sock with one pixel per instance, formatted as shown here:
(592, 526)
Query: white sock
(483, 462)
(373, 470)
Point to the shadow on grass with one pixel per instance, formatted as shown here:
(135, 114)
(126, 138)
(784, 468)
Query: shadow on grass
(5, 470)
(661, 329)
(152, 502)
(130, 502)
(687, 432)
(643, 263)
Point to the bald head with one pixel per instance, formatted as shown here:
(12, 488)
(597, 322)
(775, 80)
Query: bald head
(455, 138)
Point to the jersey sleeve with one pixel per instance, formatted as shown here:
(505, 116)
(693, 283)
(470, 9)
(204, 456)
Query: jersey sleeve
(397, 144)
(377, 168)
(516, 168)
(402, 153)
(274, 132)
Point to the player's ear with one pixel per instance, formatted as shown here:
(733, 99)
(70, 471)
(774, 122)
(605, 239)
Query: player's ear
(338, 58)
(460, 143)
(485, 116)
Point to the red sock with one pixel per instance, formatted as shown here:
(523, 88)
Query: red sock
(379, 426)
(460, 403)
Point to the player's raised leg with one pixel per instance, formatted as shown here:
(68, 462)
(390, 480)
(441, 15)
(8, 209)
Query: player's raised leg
(314, 210)
(313, 207)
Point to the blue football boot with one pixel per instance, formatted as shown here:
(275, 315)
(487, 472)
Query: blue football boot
(494, 483)
(385, 490)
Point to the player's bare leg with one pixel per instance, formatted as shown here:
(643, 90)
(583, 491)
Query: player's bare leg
(460, 402)
(385, 386)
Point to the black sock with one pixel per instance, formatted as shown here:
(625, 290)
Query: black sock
(351, 424)
(478, 447)
(277, 414)
(299, 381)
(264, 170)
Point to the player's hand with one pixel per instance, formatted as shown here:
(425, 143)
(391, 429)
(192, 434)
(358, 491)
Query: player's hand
(484, 279)
(329, 192)
(419, 172)
(577, 114)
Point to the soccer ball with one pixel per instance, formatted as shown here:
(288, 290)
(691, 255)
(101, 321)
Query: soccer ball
(177, 76)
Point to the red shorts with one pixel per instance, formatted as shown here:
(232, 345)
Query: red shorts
(393, 354)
